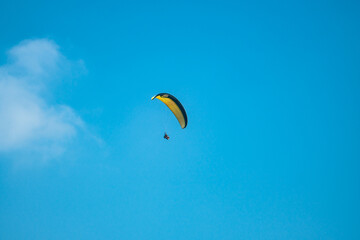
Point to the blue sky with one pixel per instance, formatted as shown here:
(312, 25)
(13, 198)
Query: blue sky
(271, 150)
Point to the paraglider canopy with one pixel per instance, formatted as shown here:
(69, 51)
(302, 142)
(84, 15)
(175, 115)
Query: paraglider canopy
(175, 106)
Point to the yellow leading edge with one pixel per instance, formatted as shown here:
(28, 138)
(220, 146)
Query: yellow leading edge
(175, 106)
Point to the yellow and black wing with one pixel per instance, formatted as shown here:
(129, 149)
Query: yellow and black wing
(175, 106)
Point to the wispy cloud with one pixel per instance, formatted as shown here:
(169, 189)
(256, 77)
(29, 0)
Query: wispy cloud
(28, 122)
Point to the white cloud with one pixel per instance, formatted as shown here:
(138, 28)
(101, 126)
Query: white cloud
(28, 122)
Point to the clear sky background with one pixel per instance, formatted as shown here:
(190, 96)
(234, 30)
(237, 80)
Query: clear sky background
(272, 147)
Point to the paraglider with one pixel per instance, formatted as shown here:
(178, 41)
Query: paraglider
(175, 106)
